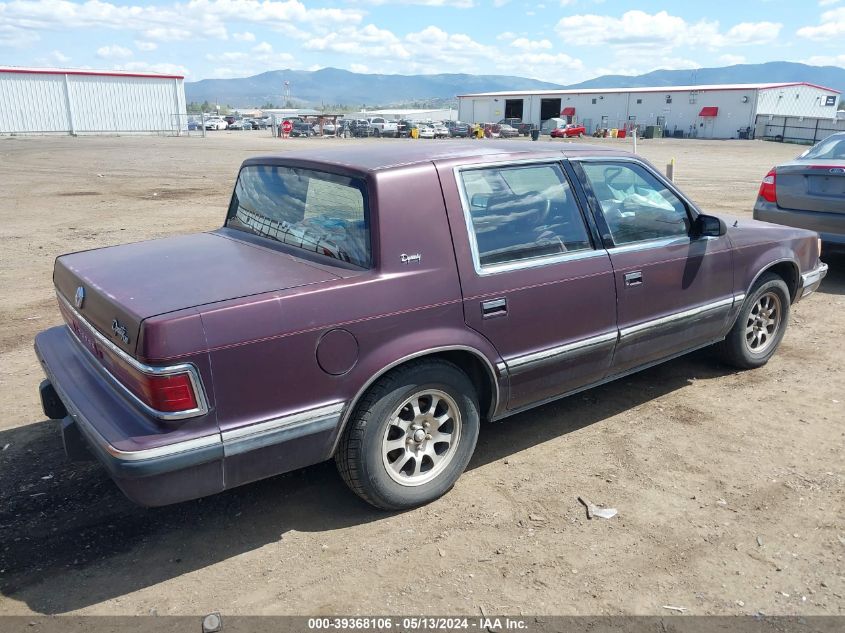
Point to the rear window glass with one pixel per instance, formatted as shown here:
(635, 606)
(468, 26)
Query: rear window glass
(833, 147)
(316, 211)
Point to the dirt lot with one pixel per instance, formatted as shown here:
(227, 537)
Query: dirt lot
(729, 485)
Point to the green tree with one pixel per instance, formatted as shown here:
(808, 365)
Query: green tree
(268, 106)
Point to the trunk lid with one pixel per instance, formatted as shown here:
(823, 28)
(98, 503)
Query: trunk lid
(811, 185)
(123, 285)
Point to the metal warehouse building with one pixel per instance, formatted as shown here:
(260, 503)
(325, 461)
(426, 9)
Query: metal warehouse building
(715, 111)
(49, 100)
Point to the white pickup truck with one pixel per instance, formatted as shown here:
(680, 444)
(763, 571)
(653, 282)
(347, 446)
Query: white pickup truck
(383, 127)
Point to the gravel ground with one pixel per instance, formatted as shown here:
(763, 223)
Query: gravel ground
(729, 485)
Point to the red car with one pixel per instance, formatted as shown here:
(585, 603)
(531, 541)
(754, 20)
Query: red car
(569, 131)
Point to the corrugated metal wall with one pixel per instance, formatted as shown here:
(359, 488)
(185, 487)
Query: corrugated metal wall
(35, 103)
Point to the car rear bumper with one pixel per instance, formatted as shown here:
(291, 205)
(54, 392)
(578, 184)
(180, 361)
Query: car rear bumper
(88, 405)
(154, 464)
(830, 226)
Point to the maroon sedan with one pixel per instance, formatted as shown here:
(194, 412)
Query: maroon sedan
(375, 305)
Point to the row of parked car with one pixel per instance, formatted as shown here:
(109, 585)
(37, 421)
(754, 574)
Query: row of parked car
(229, 123)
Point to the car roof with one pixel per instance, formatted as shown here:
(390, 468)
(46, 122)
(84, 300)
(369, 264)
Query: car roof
(371, 157)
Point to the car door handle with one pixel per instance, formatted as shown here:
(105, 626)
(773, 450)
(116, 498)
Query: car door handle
(634, 278)
(494, 308)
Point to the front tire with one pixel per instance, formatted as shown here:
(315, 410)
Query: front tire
(760, 326)
(411, 435)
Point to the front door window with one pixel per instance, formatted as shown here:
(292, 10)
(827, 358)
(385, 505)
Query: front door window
(635, 205)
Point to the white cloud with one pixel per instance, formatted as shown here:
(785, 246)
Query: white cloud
(457, 4)
(246, 36)
(751, 33)
(59, 57)
(826, 60)
(832, 26)
(359, 68)
(731, 60)
(262, 57)
(145, 46)
(368, 41)
(12, 36)
(641, 30)
(165, 68)
(525, 44)
(114, 52)
(188, 20)
(827, 3)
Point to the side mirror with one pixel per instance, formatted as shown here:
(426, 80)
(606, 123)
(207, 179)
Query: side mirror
(709, 226)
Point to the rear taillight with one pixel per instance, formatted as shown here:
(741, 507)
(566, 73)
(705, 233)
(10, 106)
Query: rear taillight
(169, 394)
(768, 190)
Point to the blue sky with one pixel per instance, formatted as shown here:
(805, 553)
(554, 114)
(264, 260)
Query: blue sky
(562, 41)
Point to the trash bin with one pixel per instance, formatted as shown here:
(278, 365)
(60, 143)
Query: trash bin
(535, 135)
(614, 132)
(622, 133)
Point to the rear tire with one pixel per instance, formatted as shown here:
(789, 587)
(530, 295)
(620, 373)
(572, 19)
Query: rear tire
(760, 326)
(411, 435)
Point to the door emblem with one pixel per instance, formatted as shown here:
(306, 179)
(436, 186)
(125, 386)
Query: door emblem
(410, 259)
(120, 331)
(79, 299)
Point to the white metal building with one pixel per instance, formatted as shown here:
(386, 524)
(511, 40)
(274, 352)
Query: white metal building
(714, 111)
(53, 100)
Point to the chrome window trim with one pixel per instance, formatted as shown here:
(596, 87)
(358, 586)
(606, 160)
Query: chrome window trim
(534, 262)
(202, 407)
(496, 395)
(644, 245)
(676, 316)
(519, 362)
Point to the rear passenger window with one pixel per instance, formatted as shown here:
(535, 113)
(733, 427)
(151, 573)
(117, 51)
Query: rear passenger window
(522, 213)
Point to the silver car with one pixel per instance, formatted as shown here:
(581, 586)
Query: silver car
(808, 192)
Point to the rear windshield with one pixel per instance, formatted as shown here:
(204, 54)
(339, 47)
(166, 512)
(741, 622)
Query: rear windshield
(316, 211)
(833, 147)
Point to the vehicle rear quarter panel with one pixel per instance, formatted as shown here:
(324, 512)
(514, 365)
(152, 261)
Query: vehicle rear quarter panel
(263, 349)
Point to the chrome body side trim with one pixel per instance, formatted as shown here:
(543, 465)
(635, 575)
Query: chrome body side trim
(534, 262)
(246, 438)
(605, 380)
(556, 354)
(810, 281)
(677, 316)
(491, 372)
(182, 368)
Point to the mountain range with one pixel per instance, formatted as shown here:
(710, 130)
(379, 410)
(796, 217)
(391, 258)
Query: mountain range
(334, 87)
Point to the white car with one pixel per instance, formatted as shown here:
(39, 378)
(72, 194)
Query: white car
(426, 131)
(215, 124)
(440, 131)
